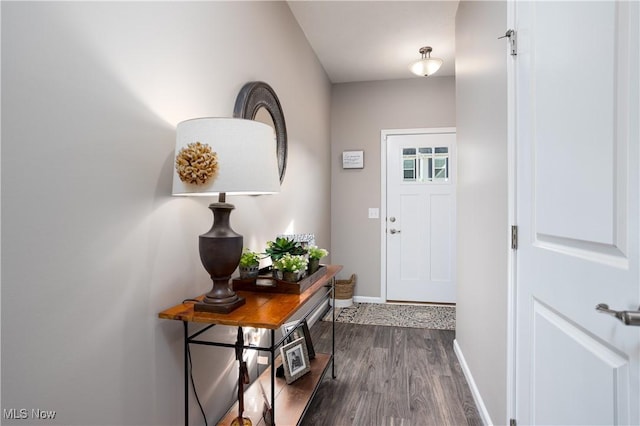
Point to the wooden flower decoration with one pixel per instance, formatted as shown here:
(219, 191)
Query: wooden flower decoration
(196, 163)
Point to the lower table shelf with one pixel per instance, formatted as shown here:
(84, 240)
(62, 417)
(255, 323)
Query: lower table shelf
(291, 401)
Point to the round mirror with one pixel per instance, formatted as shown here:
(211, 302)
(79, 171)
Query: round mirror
(257, 101)
(263, 116)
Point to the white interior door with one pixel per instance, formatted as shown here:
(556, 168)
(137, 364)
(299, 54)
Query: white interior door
(421, 206)
(578, 157)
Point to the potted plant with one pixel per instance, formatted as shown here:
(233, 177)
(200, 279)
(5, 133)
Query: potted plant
(276, 249)
(249, 264)
(281, 246)
(315, 254)
(292, 266)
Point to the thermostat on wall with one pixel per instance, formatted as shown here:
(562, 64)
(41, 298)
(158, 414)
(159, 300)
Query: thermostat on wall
(353, 159)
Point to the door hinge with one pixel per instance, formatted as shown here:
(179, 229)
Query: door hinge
(512, 422)
(514, 237)
(513, 41)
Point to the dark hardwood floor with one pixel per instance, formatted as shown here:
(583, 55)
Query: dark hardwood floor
(390, 376)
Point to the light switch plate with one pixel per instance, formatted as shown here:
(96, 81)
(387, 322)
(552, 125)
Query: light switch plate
(374, 213)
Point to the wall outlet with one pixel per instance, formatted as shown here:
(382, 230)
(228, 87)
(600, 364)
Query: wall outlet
(374, 213)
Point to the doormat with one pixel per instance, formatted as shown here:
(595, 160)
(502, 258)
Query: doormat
(412, 316)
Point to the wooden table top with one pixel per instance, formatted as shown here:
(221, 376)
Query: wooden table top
(261, 310)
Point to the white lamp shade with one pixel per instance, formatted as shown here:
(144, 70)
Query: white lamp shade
(245, 151)
(426, 66)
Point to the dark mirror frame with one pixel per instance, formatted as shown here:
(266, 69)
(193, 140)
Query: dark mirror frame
(258, 94)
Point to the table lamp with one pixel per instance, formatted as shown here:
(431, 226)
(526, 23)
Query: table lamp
(223, 156)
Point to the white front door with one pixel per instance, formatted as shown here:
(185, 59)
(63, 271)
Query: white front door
(421, 206)
(578, 157)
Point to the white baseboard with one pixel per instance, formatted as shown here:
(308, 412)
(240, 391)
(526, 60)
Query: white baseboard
(482, 409)
(342, 303)
(364, 299)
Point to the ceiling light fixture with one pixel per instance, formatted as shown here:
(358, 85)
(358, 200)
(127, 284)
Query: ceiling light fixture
(427, 65)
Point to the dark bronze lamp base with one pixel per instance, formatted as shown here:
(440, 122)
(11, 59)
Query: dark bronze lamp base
(220, 251)
(218, 308)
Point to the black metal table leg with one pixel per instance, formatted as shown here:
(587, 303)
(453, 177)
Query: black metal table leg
(186, 373)
(273, 378)
(333, 331)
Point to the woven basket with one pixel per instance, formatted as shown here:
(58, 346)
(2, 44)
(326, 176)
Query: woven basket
(344, 288)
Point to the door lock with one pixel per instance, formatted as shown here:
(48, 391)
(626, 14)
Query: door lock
(392, 219)
(394, 231)
(627, 317)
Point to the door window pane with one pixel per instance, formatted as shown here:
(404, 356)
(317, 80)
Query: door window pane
(409, 168)
(425, 164)
(441, 169)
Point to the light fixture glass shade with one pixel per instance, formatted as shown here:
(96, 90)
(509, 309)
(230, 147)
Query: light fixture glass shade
(426, 66)
(245, 159)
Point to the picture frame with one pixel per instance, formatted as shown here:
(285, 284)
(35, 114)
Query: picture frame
(295, 360)
(302, 330)
(305, 240)
(353, 159)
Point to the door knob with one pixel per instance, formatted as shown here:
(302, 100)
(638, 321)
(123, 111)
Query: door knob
(627, 317)
(394, 231)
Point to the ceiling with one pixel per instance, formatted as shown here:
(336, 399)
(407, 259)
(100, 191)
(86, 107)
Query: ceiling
(377, 40)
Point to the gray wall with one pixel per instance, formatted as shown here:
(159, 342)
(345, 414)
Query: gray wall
(483, 244)
(93, 245)
(359, 111)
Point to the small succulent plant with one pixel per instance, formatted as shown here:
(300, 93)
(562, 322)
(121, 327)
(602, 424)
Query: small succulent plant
(291, 263)
(249, 258)
(317, 253)
(278, 248)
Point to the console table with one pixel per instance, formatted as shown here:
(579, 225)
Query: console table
(268, 311)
